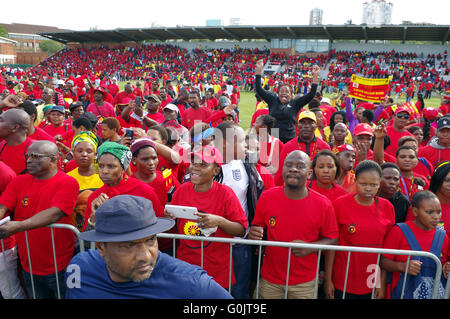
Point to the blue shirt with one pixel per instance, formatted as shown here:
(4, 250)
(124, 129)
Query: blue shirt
(171, 279)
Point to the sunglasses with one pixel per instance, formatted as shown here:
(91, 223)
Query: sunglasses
(36, 156)
(403, 116)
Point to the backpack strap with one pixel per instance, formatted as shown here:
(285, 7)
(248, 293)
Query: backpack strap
(3, 147)
(412, 241)
(425, 162)
(438, 240)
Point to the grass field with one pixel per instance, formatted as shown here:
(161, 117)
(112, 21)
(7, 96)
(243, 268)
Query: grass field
(248, 102)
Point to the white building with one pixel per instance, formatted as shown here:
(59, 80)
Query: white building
(315, 16)
(7, 51)
(377, 12)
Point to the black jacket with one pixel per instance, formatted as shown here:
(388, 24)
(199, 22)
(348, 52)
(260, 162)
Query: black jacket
(285, 114)
(401, 205)
(255, 189)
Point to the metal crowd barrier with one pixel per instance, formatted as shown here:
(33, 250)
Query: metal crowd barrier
(52, 226)
(320, 248)
(260, 244)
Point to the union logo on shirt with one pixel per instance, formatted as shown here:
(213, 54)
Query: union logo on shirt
(272, 221)
(352, 228)
(25, 201)
(191, 229)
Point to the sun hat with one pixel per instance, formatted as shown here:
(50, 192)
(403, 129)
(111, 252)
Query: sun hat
(307, 115)
(126, 218)
(363, 129)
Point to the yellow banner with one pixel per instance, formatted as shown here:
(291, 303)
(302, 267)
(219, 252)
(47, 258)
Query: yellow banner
(371, 82)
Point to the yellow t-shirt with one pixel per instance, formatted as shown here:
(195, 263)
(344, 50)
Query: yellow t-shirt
(261, 106)
(86, 182)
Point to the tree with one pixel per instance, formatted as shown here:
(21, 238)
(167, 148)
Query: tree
(50, 46)
(3, 32)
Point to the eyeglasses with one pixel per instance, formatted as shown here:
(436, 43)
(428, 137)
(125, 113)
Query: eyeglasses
(403, 116)
(36, 156)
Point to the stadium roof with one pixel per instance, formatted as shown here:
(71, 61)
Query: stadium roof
(403, 33)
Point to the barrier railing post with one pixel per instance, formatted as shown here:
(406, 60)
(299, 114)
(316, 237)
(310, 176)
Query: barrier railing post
(447, 289)
(376, 276)
(346, 274)
(316, 281)
(56, 264)
(259, 271)
(201, 254)
(6, 268)
(404, 279)
(29, 262)
(287, 273)
(174, 248)
(230, 271)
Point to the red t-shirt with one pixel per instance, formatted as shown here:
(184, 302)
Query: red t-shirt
(309, 219)
(6, 176)
(191, 116)
(212, 103)
(434, 155)
(104, 111)
(41, 135)
(408, 188)
(266, 176)
(219, 200)
(422, 169)
(257, 114)
(127, 186)
(28, 196)
(158, 117)
(445, 218)
(165, 102)
(57, 130)
(396, 240)
(293, 145)
(394, 136)
(265, 149)
(360, 226)
(14, 156)
(335, 192)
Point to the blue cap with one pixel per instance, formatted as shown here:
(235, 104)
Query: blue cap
(126, 218)
(58, 108)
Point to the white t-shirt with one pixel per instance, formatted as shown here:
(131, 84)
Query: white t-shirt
(235, 177)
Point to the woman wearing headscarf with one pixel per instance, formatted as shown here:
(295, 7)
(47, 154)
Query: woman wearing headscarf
(113, 160)
(84, 148)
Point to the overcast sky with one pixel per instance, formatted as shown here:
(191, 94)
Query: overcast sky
(85, 14)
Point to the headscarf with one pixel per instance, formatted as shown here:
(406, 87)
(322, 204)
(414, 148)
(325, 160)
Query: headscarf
(121, 152)
(139, 143)
(85, 136)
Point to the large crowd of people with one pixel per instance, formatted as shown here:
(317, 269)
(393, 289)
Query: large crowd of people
(309, 169)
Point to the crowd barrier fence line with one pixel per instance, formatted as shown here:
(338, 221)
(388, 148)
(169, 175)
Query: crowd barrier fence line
(52, 227)
(261, 244)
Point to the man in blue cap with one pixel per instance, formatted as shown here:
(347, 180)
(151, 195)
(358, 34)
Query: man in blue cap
(127, 262)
